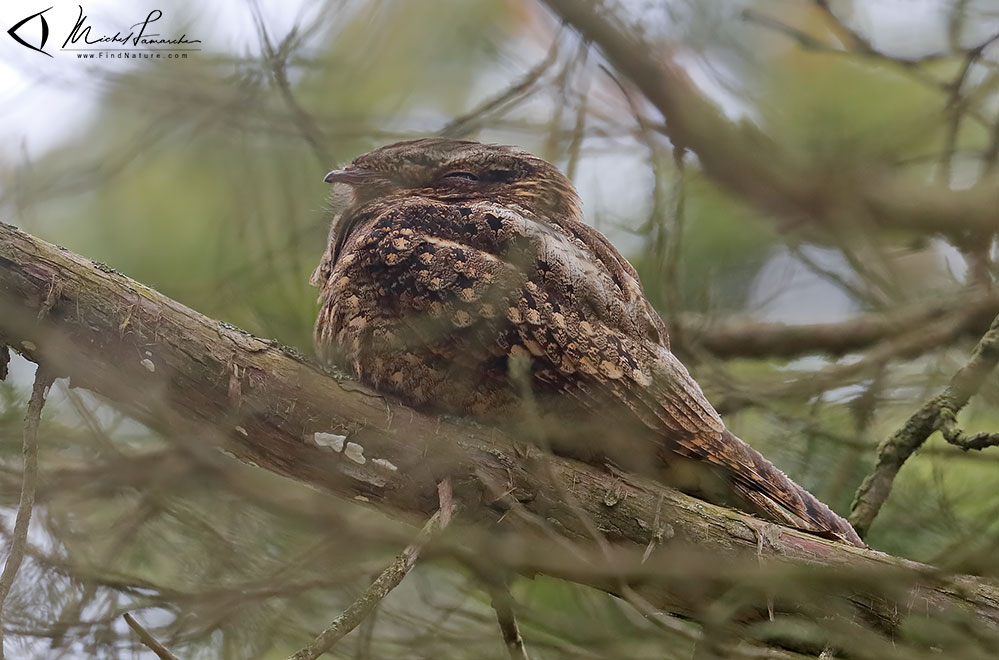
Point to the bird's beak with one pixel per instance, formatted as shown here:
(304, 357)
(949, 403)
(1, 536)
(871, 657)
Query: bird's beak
(352, 175)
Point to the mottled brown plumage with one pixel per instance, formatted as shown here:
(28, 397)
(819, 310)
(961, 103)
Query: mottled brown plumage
(460, 278)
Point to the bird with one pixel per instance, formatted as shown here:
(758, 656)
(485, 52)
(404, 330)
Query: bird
(461, 279)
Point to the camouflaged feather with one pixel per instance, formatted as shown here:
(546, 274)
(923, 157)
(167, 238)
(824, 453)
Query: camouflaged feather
(436, 297)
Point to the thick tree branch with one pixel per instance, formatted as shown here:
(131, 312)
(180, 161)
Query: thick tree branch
(205, 383)
(747, 161)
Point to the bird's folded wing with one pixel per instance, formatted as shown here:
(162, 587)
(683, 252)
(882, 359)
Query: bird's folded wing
(485, 282)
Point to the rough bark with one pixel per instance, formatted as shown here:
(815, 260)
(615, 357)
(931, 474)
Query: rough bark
(207, 383)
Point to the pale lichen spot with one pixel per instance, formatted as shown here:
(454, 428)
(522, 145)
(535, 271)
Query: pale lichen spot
(396, 378)
(392, 259)
(518, 352)
(558, 319)
(462, 319)
(426, 257)
(435, 283)
(385, 464)
(331, 440)
(355, 452)
(587, 366)
(488, 311)
(611, 370)
(358, 323)
(586, 327)
(467, 294)
(533, 316)
(436, 308)
(513, 314)
(148, 364)
(400, 243)
(342, 282)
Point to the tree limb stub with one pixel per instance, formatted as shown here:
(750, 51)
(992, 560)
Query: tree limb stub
(192, 377)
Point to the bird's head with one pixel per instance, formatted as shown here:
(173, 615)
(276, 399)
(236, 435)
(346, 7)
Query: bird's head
(450, 171)
(459, 171)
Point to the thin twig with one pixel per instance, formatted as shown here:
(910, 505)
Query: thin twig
(372, 596)
(502, 601)
(277, 61)
(43, 379)
(148, 640)
(953, 433)
(465, 124)
(935, 414)
(676, 626)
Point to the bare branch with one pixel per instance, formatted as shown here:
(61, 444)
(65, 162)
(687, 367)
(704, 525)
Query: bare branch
(388, 580)
(502, 602)
(277, 62)
(162, 652)
(748, 162)
(744, 338)
(519, 89)
(43, 379)
(953, 434)
(936, 414)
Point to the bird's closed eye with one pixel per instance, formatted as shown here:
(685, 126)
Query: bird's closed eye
(461, 175)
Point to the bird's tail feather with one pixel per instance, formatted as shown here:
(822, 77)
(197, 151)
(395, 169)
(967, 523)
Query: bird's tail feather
(765, 490)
